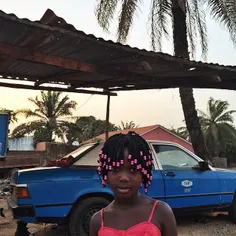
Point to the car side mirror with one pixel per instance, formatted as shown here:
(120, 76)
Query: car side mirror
(204, 165)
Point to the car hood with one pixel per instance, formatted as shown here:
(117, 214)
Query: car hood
(225, 173)
(53, 174)
(224, 170)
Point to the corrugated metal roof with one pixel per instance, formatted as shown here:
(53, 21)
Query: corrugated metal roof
(118, 67)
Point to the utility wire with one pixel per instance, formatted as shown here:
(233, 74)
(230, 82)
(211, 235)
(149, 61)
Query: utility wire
(85, 102)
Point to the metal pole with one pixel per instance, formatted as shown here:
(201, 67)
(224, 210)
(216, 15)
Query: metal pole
(107, 117)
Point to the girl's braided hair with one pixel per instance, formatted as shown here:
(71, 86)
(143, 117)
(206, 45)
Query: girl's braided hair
(140, 156)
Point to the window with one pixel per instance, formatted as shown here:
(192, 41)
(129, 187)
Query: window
(173, 158)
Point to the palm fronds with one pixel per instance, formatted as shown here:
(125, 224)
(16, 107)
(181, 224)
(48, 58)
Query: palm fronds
(104, 12)
(159, 18)
(224, 11)
(50, 109)
(126, 18)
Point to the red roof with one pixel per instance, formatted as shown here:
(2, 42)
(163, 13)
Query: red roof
(140, 131)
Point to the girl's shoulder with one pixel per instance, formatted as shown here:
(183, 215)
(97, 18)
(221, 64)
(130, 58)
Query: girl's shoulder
(161, 209)
(157, 204)
(163, 217)
(145, 200)
(96, 220)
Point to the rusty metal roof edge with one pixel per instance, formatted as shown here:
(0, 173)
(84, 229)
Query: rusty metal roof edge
(91, 37)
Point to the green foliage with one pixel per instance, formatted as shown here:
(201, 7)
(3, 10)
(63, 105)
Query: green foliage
(51, 113)
(127, 125)
(182, 132)
(217, 125)
(41, 135)
(85, 128)
(218, 129)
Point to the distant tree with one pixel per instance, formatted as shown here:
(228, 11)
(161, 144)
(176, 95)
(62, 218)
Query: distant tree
(85, 128)
(51, 112)
(181, 132)
(127, 125)
(41, 134)
(228, 151)
(217, 125)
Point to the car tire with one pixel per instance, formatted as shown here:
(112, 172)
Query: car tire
(232, 210)
(80, 218)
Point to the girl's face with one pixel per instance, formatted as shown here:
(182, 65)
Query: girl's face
(125, 181)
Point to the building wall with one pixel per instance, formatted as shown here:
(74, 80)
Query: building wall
(41, 146)
(57, 150)
(162, 135)
(21, 144)
(25, 159)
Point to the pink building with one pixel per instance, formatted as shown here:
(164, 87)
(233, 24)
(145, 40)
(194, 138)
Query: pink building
(154, 132)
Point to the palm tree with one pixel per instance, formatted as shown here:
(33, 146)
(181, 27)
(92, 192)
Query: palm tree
(50, 109)
(127, 125)
(181, 132)
(217, 125)
(85, 128)
(187, 18)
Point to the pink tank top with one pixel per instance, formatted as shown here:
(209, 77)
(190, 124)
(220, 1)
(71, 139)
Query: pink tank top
(146, 228)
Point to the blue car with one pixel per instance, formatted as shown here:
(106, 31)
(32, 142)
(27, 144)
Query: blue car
(72, 194)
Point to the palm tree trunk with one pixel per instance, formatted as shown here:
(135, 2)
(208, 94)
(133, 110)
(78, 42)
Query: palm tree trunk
(186, 94)
(50, 132)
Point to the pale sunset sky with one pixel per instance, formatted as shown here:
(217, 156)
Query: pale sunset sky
(143, 107)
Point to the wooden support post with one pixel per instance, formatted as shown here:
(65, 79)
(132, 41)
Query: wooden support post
(107, 116)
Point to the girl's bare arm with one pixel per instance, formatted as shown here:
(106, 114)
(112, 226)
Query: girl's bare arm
(166, 219)
(95, 224)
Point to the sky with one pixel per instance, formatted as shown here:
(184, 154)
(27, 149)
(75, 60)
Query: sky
(144, 108)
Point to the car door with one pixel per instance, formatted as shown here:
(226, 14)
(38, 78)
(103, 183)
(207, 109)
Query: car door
(157, 189)
(185, 186)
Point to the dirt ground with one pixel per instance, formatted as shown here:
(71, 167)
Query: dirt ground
(207, 226)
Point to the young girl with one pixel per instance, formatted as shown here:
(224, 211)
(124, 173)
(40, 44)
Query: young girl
(125, 164)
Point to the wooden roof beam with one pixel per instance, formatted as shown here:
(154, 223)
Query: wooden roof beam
(174, 84)
(143, 80)
(58, 78)
(23, 86)
(21, 53)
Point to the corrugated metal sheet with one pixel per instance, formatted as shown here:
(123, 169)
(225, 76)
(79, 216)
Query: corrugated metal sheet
(54, 37)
